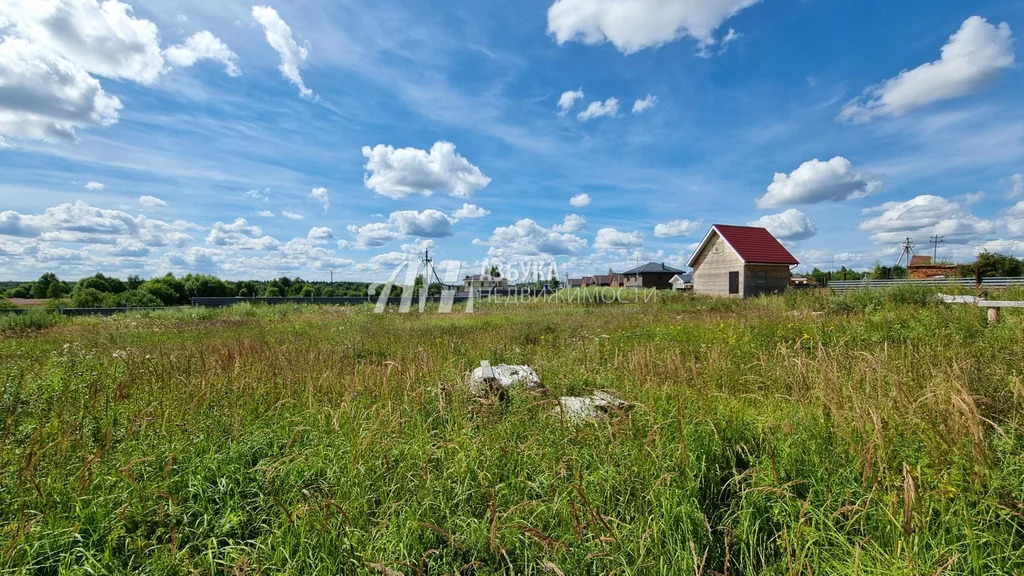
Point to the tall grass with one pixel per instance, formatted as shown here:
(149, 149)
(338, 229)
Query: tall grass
(30, 320)
(804, 434)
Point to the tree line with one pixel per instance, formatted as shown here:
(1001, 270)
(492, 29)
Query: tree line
(100, 291)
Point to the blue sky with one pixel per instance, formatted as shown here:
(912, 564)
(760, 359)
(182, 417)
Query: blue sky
(295, 138)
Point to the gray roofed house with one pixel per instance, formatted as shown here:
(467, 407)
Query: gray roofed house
(683, 281)
(651, 275)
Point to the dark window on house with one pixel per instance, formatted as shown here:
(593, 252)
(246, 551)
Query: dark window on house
(761, 278)
(734, 282)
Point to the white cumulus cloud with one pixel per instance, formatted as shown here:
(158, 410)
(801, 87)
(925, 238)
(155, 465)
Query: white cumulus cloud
(922, 216)
(203, 45)
(51, 52)
(323, 197)
(816, 181)
(678, 228)
(399, 172)
(469, 211)
(527, 238)
(644, 104)
(612, 239)
(580, 200)
(427, 224)
(103, 39)
(789, 225)
(241, 235)
(372, 235)
(320, 233)
(571, 223)
(82, 223)
(971, 59)
(596, 109)
(94, 186)
(568, 100)
(279, 36)
(151, 202)
(292, 215)
(44, 96)
(633, 25)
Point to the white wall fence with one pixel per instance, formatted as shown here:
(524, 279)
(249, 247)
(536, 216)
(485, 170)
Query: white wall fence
(843, 286)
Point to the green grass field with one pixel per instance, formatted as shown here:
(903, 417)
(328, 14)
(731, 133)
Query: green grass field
(873, 433)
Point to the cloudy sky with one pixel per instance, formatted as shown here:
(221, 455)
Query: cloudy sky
(295, 138)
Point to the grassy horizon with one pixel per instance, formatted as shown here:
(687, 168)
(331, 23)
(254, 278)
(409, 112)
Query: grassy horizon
(867, 433)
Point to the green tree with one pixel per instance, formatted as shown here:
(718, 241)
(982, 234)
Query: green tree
(247, 289)
(42, 286)
(994, 265)
(117, 286)
(204, 286)
(494, 272)
(162, 290)
(97, 282)
(88, 298)
(136, 299)
(56, 290)
(888, 273)
(177, 286)
(133, 282)
(272, 292)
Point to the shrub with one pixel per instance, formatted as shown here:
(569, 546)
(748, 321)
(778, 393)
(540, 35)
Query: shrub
(136, 299)
(32, 320)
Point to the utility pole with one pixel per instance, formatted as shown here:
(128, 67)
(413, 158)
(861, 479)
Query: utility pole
(936, 240)
(908, 251)
(429, 270)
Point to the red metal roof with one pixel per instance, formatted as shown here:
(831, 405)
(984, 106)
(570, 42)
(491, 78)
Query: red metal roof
(755, 245)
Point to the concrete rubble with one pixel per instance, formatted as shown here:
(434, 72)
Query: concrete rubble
(595, 408)
(487, 379)
(492, 385)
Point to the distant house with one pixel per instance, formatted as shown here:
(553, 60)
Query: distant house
(682, 281)
(483, 283)
(922, 268)
(601, 281)
(740, 261)
(651, 275)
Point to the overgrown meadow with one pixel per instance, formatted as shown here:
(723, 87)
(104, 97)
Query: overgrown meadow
(869, 433)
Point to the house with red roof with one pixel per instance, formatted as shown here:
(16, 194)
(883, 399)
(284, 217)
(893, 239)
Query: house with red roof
(740, 262)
